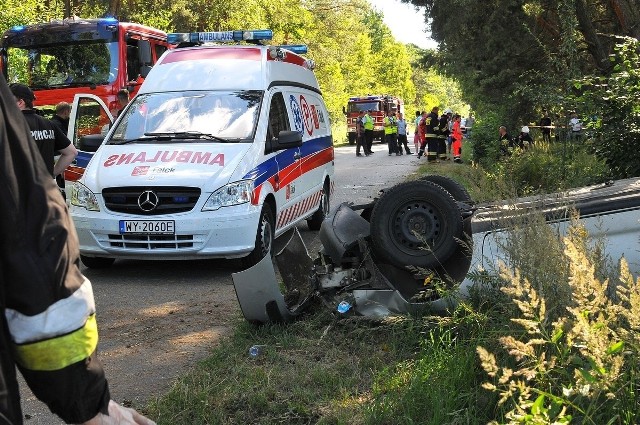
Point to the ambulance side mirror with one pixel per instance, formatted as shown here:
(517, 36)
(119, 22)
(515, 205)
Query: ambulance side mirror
(90, 142)
(286, 139)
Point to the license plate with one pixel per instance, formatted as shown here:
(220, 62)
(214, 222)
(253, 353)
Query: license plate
(147, 227)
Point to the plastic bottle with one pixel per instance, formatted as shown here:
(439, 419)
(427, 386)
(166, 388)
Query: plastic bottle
(343, 307)
(256, 350)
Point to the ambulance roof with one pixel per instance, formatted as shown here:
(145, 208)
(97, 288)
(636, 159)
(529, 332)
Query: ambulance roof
(228, 67)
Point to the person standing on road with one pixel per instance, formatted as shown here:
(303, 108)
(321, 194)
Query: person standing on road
(431, 131)
(360, 134)
(47, 310)
(61, 118)
(416, 135)
(389, 124)
(456, 136)
(48, 136)
(368, 132)
(443, 135)
(402, 134)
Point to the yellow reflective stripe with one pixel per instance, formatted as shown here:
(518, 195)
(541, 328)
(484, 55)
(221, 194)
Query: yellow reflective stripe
(60, 352)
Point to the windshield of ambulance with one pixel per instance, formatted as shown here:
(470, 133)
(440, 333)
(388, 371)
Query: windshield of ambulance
(192, 116)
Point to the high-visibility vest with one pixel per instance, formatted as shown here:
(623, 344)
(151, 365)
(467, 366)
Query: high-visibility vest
(388, 125)
(368, 122)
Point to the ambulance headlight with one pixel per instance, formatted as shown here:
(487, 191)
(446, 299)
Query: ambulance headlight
(82, 197)
(232, 194)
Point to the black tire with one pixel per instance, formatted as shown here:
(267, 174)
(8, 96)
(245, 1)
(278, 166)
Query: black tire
(318, 217)
(352, 138)
(458, 191)
(264, 238)
(415, 223)
(97, 262)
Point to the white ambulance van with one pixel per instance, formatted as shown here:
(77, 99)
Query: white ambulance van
(223, 149)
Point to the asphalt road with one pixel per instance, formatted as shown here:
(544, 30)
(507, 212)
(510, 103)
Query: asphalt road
(157, 318)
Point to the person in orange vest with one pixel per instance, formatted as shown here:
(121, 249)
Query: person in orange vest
(456, 145)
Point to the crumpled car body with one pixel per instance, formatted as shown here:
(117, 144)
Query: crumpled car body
(381, 258)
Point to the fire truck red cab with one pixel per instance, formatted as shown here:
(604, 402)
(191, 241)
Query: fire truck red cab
(64, 58)
(379, 105)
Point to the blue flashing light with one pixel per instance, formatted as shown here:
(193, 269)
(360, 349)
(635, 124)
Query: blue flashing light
(18, 28)
(300, 49)
(110, 20)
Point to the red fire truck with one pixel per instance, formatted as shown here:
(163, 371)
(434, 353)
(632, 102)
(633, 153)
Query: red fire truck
(64, 58)
(379, 105)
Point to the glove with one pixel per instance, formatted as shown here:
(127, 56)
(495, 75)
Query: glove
(119, 415)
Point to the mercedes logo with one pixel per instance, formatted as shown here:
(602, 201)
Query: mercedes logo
(148, 201)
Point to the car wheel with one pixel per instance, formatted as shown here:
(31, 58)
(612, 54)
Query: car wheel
(97, 262)
(458, 191)
(415, 223)
(264, 238)
(318, 217)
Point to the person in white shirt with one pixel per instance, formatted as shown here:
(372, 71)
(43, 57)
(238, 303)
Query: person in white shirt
(575, 133)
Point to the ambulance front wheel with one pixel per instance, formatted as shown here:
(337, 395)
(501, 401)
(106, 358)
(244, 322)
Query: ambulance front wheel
(264, 238)
(97, 262)
(318, 217)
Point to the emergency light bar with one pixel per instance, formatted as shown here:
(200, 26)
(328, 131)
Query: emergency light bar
(300, 49)
(250, 36)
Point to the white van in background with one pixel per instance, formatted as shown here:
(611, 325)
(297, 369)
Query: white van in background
(224, 148)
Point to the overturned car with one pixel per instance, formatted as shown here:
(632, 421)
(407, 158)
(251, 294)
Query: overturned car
(382, 257)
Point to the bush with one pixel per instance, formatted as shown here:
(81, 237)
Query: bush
(570, 356)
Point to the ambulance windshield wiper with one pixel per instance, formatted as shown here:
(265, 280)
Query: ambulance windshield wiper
(187, 135)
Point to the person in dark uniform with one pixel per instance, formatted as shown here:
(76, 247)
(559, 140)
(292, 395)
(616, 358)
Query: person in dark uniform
(47, 311)
(545, 126)
(123, 99)
(505, 141)
(48, 136)
(61, 118)
(443, 135)
(431, 140)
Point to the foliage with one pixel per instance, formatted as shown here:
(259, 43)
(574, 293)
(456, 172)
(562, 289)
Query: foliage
(611, 105)
(547, 168)
(572, 355)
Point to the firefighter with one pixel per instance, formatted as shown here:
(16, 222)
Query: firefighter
(443, 134)
(431, 124)
(368, 132)
(48, 327)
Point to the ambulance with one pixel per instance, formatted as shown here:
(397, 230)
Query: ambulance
(224, 148)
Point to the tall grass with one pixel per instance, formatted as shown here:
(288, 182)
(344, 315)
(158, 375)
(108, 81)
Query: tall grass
(551, 337)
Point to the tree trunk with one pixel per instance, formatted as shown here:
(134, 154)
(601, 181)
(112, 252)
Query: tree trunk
(114, 7)
(627, 14)
(599, 52)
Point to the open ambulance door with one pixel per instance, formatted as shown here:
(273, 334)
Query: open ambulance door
(89, 123)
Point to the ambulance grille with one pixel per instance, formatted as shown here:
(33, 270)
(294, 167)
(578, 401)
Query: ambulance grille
(151, 242)
(154, 200)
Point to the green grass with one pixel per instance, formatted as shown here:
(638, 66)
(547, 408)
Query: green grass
(327, 369)
(330, 369)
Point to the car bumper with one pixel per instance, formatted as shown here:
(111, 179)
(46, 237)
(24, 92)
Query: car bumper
(226, 233)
